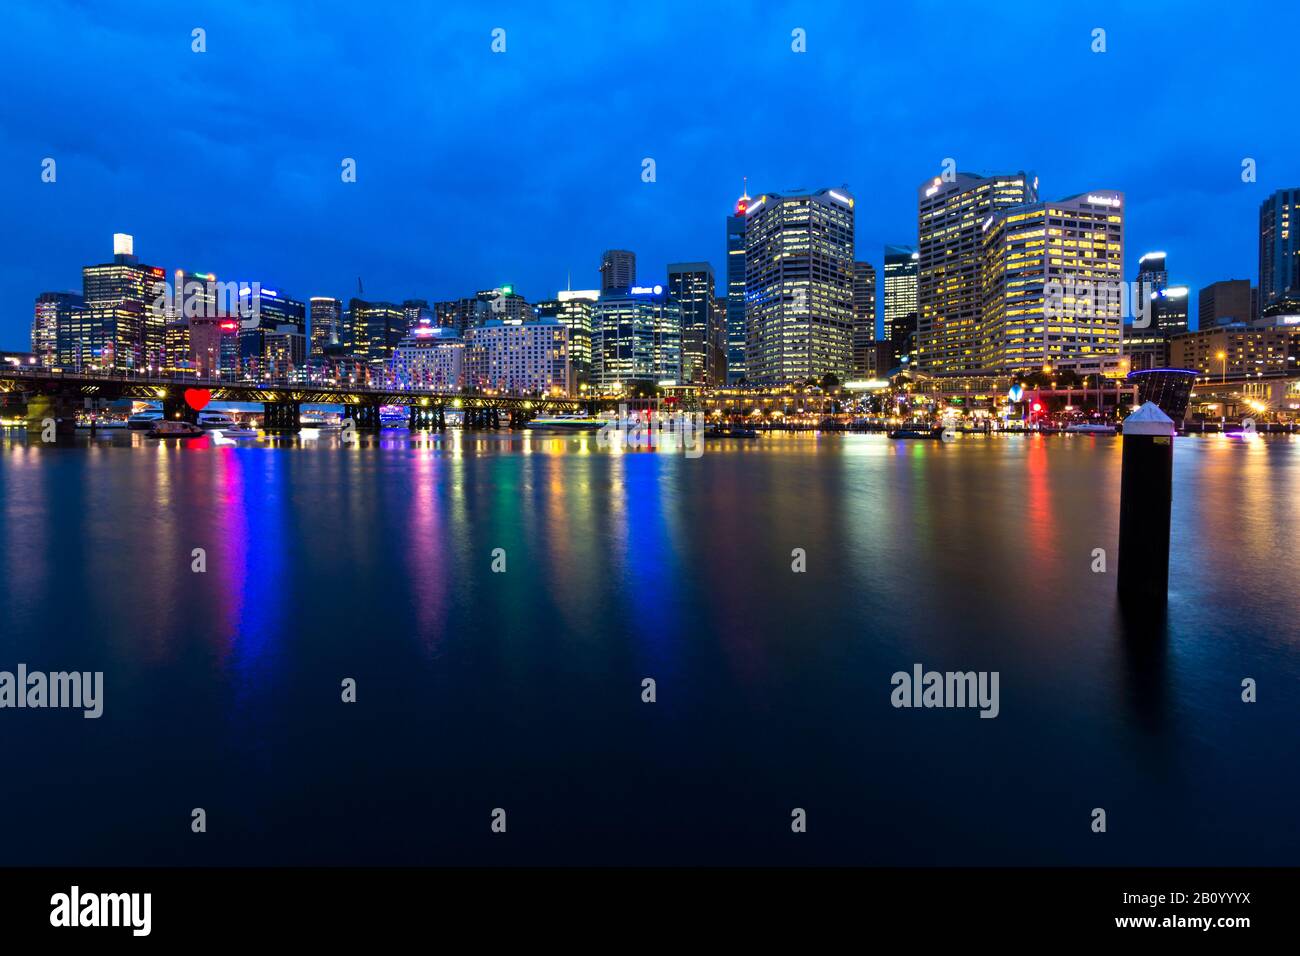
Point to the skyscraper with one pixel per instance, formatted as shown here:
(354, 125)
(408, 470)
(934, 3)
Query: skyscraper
(736, 290)
(864, 318)
(636, 337)
(125, 325)
(950, 219)
(326, 324)
(574, 309)
(900, 295)
(1051, 285)
(1229, 300)
(55, 318)
(1279, 247)
(417, 313)
(261, 334)
(691, 286)
(378, 328)
(1152, 276)
(617, 269)
(799, 287)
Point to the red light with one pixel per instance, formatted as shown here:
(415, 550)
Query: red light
(1037, 407)
(229, 326)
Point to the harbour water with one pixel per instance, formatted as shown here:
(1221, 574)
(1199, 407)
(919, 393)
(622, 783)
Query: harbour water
(522, 690)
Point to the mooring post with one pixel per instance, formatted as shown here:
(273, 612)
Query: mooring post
(1145, 503)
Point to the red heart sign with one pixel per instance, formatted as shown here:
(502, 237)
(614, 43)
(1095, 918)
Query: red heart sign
(197, 398)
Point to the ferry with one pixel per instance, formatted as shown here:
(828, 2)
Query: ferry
(567, 423)
(915, 432)
(1091, 429)
(177, 429)
(320, 424)
(216, 420)
(145, 419)
(730, 431)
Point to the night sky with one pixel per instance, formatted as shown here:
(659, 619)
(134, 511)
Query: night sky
(477, 169)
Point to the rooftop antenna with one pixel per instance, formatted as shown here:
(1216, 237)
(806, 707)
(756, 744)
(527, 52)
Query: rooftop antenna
(360, 291)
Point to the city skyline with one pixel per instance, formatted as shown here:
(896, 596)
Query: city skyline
(268, 205)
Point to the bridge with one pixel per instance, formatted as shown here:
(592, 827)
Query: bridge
(60, 395)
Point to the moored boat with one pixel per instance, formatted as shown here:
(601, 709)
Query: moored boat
(177, 429)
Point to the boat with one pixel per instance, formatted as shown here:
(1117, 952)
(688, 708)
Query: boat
(320, 424)
(177, 429)
(216, 420)
(146, 419)
(240, 430)
(914, 432)
(1091, 429)
(568, 423)
(737, 431)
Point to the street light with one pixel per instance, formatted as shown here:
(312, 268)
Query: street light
(1223, 357)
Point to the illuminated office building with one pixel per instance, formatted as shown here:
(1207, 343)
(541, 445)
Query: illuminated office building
(326, 322)
(122, 328)
(56, 323)
(1279, 247)
(264, 313)
(377, 328)
(799, 287)
(636, 337)
(574, 309)
(899, 322)
(1052, 285)
(949, 300)
(736, 290)
(864, 319)
(691, 288)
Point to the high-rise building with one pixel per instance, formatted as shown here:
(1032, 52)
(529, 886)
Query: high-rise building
(264, 312)
(462, 314)
(864, 319)
(432, 357)
(1152, 276)
(417, 313)
(505, 304)
(125, 325)
(636, 337)
(1052, 285)
(691, 287)
(899, 323)
(1279, 247)
(617, 269)
(55, 319)
(1169, 309)
(214, 346)
(519, 358)
(1226, 301)
(716, 361)
(736, 290)
(574, 309)
(377, 328)
(326, 325)
(950, 218)
(799, 287)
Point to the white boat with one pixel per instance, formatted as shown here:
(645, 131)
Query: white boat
(146, 419)
(320, 424)
(567, 423)
(1090, 429)
(216, 420)
(240, 430)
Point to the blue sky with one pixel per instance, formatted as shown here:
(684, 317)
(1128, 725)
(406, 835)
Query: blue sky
(476, 169)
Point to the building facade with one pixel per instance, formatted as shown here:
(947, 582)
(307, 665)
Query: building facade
(326, 320)
(799, 287)
(55, 311)
(864, 319)
(736, 290)
(575, 310)
(1052, 286)
(1279, 247)
(636, 337)
(1226, 301)
(691, 289)
(430, 357)
(617, 269)
(951, 214)
(899, 319)
(124, 326)
(524, 358)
